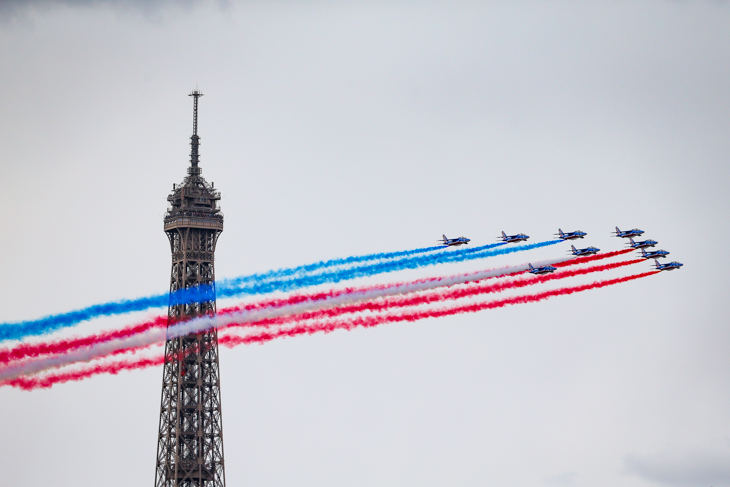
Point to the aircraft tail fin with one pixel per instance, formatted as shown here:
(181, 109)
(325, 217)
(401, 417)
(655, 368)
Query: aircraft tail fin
(560, 232)
(531, 268)
(573, 247)
(504, 235)
(617, 230)
(443, 235)
(632, 241)
(643, 252)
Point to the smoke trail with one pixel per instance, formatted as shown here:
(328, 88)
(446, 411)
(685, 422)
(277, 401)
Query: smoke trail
(269, 317)
(232, 287)
(30, 383)
(323, 299)
(308, 268)
(42, 326)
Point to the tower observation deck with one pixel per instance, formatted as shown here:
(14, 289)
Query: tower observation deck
(190, 436)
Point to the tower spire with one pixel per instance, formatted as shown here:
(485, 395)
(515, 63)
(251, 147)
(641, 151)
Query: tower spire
(194, 139)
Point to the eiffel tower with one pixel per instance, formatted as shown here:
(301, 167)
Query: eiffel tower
(190, 436)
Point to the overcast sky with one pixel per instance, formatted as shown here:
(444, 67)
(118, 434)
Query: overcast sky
(340, 128)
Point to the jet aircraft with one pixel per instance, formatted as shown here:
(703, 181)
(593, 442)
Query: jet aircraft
(570, 235)
(545, 269)
(585, 251)
(670, 266)
(656, 254)
(629, 233)
(454, 241)
(643, 244)
(514, 238)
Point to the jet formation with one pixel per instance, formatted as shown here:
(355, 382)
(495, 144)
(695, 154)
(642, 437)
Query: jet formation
(630, 234)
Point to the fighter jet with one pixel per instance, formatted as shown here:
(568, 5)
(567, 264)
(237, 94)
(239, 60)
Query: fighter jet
(570, 235)
(656, 254)
(514, 238)
(643, 244)
(454, 241)
(629, 233)
(669, 266)
(546, 269)
(585, 251)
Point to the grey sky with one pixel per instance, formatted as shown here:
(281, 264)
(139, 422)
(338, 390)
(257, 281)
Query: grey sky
(709, 465)
(339, 128)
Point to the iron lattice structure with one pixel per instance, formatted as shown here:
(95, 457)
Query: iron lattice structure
(190, 441)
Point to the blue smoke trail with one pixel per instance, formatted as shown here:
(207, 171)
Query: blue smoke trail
(260, 284)
(309, 268)
(41, 326)
(323, 264)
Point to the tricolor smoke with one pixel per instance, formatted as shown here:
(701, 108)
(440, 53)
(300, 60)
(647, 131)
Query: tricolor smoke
(325, 298)
(15, 331)
(417, 299)
(302, 310)
(22, 351)
(249, 285)
(30, 383)
(370, 321)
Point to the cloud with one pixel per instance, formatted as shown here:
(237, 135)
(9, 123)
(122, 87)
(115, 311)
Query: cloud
(680, 468)
(20, 11)
(565, 478)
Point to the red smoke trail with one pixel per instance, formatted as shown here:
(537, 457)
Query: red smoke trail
(68, 345)
(48, 380)
(44, 382)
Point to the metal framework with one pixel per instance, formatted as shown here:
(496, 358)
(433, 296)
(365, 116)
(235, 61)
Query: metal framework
(190, 435)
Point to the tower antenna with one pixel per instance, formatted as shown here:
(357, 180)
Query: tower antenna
(194, 139)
